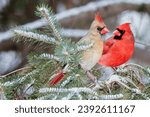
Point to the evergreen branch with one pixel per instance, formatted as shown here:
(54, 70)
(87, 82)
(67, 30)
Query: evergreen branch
(69, 96)
(20, 80)
(44, 97)
(84, 47)
(64, 83)
(111, 97)
(148, 69)
(137, 91)
(2, 96)
(99, 85)
(139, 71)
(45, 12)
(37, 37)
(49, 56)
(134, 65)
(2, 93)
(62, 90)
(79, 96)
(116, 78)
(128, 80)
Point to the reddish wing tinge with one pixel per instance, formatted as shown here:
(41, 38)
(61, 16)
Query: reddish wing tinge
(107, 45)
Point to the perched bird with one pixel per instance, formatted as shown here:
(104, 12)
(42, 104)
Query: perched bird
(119, 48)
(90, 56)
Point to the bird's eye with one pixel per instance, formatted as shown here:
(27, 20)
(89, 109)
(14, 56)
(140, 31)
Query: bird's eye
(99, 28)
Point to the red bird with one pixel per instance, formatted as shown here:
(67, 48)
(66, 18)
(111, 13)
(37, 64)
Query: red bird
(119, 48)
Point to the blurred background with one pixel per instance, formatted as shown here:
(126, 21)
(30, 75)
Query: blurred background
(75, 17)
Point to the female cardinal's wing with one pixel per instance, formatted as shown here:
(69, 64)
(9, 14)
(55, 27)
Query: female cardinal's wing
(107, 45)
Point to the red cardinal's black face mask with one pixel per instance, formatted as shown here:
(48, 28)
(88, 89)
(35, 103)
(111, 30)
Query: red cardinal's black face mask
(121, 34)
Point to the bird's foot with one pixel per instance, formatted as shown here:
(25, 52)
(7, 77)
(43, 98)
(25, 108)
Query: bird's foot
(115, 69)
(91, 76)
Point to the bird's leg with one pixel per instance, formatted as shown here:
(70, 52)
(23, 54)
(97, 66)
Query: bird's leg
(108, 88)
(91, 76)
(115, 69)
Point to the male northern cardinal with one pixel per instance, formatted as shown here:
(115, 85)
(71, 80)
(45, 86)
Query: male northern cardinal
(119, 48)
(90, 56)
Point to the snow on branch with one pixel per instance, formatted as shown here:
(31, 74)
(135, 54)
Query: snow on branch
(62, 90)
(48, 15)
(38, 37)
(20, 80)
(68, 79)
(111, 97)
(84, 47)
(49, 56)
(92, 6)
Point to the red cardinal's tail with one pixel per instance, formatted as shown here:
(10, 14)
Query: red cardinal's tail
(57, 79)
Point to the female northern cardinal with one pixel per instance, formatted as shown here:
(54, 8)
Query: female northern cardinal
(90, 56)
(119, 48)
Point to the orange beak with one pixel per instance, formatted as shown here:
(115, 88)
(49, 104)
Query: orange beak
(116, 33)
(104, 31)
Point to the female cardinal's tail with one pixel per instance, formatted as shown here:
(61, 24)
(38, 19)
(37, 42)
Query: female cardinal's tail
(57, 78)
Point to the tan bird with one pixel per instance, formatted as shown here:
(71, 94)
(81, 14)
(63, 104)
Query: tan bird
(91, 55)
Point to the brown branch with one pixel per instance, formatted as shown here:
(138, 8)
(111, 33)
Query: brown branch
(15, 71)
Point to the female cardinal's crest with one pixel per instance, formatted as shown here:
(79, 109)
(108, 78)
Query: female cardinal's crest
(98, 17)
